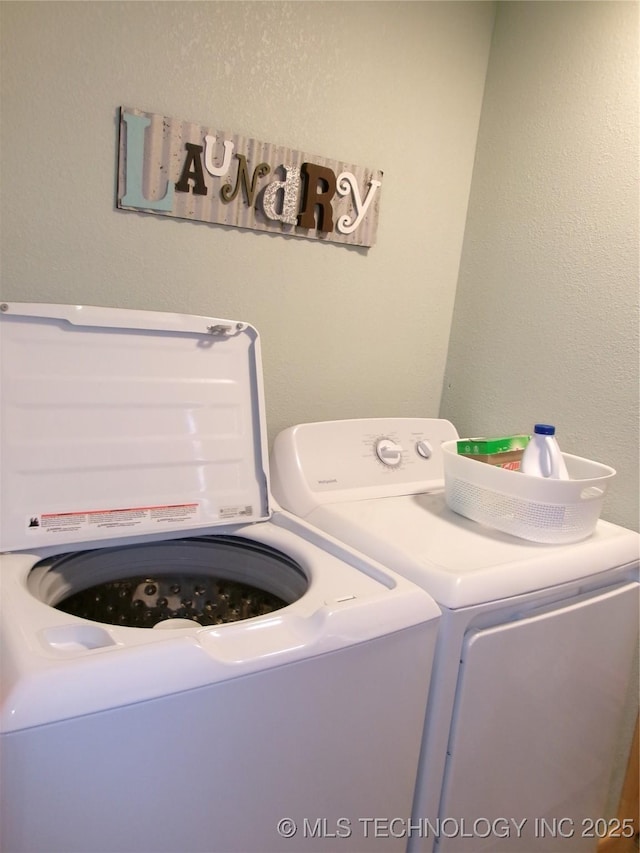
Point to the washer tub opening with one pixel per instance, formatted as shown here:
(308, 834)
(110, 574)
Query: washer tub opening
(207, 580)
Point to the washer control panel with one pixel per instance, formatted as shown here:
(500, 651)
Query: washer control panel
(378, 455)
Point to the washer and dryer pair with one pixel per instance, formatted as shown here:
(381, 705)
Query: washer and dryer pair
(184, 667)
(536, 641)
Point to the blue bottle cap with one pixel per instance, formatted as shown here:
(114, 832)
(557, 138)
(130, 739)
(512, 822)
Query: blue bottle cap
(544, 429)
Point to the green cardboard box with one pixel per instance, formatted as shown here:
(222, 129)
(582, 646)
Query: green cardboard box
(505, 451)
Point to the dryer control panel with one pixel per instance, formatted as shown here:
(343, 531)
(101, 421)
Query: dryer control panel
(371, 457)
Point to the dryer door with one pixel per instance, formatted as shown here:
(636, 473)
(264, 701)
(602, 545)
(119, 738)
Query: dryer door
(538, 707)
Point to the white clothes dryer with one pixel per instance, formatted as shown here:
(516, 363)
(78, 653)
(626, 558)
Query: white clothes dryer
(182, 668)
(536, 644)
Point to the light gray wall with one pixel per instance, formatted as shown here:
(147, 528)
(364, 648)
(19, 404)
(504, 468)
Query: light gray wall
(545, 326)
(398, 86)
(546, 316)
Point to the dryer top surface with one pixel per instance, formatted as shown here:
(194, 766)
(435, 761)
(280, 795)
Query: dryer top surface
(462, 563)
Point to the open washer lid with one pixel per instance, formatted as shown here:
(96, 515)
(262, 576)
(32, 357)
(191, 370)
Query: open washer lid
(120, 423)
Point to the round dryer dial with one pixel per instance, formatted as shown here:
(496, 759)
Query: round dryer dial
(423, 448)
(388, 452)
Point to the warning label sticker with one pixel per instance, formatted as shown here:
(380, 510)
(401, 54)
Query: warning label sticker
(236, 511)
(130, 517)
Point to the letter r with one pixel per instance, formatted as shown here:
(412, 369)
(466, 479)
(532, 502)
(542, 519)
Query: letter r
(315, 174)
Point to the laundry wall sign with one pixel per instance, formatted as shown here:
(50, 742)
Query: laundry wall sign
(176, 168)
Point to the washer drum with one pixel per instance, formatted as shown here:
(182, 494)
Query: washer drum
(208, 580)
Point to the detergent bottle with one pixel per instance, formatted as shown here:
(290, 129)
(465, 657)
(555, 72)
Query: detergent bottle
(542, 456)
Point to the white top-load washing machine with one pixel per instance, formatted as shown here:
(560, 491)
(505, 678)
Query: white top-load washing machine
(182, 669)
(536, 646)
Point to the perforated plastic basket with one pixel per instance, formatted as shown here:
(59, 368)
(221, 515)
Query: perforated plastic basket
(534, 508)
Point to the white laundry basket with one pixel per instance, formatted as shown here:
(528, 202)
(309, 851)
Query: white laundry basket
(534, 508)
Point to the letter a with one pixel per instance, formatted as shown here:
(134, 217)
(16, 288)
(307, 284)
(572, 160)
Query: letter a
(194, 155)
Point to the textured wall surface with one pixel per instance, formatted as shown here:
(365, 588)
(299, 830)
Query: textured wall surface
(346, 332)
(546, 316)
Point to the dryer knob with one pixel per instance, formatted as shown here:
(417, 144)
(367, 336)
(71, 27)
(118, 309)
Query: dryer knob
(423, 448)
(389, 452)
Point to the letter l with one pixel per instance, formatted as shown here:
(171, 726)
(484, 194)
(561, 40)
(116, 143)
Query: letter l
(133, 196)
